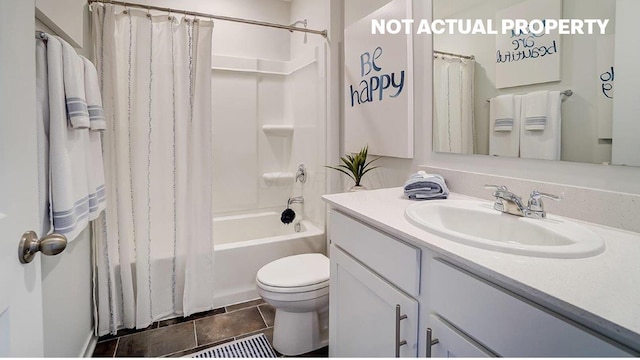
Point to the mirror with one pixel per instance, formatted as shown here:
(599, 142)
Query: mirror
(545, 96)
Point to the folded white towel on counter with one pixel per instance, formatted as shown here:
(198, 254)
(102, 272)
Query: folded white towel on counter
(506, 143)
(423, 186)
(544, 144)
(535, 110)
(504, 112)
(68, 154)
(93, 97)
(74, 91)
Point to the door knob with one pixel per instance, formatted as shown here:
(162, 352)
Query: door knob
(30, 244)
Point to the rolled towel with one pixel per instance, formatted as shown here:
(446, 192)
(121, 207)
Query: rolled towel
(423, 186)
(73, 75)
(503, 110)
(94, 99)
(535, 111)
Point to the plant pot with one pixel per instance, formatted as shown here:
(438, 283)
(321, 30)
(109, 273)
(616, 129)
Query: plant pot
(356, 188)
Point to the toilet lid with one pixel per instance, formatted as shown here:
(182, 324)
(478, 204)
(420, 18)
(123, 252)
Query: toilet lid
(295, 271)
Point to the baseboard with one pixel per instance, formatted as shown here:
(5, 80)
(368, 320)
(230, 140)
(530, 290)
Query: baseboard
(90, 346)
(235, 298)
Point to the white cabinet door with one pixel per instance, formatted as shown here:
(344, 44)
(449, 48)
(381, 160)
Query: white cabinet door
(453, 343)
(363, 312)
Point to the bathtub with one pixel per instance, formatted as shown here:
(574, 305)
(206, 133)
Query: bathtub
(244, 243)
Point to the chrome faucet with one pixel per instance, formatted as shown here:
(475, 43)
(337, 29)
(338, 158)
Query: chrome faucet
(506, 201)
(535, 208)
(510, 203)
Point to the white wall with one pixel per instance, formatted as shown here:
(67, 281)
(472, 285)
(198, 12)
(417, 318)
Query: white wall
(67, 18)
(626, 124)
(394, 171)
(578, 71)
(68, 304)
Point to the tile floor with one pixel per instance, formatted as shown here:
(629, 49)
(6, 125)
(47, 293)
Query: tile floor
(182, 336)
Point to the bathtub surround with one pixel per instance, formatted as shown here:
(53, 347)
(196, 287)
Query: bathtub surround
(154, 73)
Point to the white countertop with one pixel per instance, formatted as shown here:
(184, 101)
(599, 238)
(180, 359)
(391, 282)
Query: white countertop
(601, 292)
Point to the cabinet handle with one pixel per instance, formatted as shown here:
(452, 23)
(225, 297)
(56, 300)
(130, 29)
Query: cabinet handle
(398, 319)
(430, 342)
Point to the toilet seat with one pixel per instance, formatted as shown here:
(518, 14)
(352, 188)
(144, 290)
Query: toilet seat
(295, 274)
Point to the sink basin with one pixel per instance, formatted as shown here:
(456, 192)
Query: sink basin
(477, 224)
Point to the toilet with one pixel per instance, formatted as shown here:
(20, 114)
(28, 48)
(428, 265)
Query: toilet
(298, 288)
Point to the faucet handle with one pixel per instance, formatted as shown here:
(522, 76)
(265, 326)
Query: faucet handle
(537, 195)
(496, 187)
(536, 206)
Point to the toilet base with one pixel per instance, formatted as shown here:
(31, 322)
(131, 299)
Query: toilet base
(296, 333)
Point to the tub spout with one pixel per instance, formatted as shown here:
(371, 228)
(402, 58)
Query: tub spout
(295, 200)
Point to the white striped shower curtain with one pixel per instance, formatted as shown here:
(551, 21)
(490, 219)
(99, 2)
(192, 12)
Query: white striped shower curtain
(453, 125)
(153, 249)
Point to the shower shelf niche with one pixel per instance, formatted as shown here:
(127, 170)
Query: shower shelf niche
(278, 177)
(278, 130)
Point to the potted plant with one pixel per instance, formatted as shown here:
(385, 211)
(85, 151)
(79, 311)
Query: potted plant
(355, 167)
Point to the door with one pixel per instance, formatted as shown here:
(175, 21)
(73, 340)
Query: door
(453, 343)
(363, 318)
(20, 285)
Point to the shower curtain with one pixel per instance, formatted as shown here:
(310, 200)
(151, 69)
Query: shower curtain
(453, 123)
(153, 248)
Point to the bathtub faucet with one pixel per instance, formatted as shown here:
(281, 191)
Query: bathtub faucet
(295, 200)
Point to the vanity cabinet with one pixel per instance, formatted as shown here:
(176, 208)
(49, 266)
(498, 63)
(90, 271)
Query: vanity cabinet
(505, 323)
(469, 316)
(373, 310)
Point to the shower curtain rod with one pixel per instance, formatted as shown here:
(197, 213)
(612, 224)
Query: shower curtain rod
(469, 57)
(211, 16)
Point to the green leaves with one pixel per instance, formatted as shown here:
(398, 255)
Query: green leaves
(355, 166)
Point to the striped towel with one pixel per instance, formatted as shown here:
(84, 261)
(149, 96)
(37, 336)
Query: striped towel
(536, 108)
(94, 99)
(68, 153)
(503, 110)
(423, 186)
(74, 92)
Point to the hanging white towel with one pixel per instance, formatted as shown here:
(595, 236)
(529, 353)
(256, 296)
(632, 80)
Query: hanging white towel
(68, 151)
(95, 169)
(505, 143)
(504, 112)
(74, 92)
(536, 110)
(93, 96)
(544, 144)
